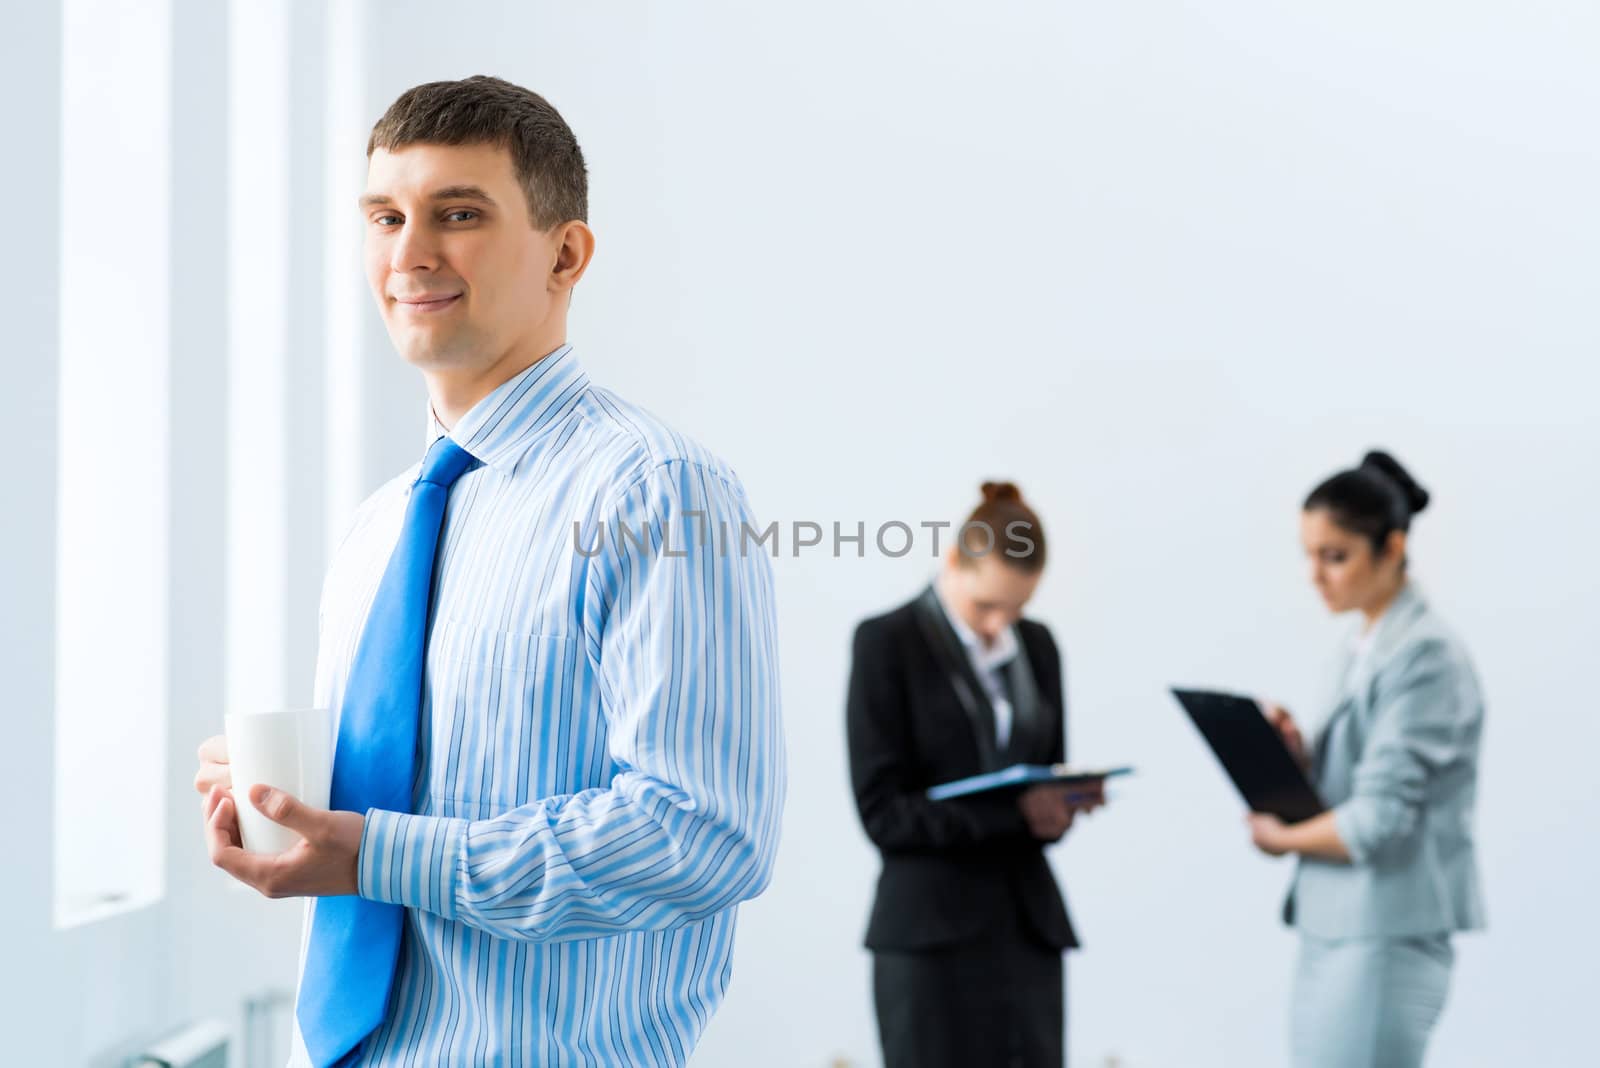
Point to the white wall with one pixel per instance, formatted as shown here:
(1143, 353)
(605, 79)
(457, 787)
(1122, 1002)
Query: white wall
(1166, 266)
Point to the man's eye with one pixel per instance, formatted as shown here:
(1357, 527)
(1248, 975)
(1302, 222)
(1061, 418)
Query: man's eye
(457, 216)
(387, 220)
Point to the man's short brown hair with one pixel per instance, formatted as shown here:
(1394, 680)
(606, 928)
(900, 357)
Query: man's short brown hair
(484, 110)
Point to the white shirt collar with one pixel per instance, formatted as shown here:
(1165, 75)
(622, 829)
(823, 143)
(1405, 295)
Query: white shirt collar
(498, 428)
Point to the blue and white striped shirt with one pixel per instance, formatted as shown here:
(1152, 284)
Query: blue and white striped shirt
(601, 762)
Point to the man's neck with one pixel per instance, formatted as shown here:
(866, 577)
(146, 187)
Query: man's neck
(453, 395)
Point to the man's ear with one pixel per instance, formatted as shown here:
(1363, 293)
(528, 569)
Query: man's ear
(574, 248)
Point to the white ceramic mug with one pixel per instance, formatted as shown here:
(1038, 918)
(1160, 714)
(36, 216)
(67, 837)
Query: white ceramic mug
(288, 749)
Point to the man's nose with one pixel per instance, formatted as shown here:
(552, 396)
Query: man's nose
(413, 250)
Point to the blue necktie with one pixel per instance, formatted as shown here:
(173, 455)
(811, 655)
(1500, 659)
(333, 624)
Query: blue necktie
(350, 959)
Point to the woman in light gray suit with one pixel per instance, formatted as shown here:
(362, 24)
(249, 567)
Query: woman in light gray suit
(1388, 873)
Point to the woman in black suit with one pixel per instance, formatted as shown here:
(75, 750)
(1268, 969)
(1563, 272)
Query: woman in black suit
(968, 928)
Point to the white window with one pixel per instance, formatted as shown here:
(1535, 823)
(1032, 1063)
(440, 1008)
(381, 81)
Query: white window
(112, 435)
(258, 385)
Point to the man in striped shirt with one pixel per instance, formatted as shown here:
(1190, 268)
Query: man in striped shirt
(600, 766)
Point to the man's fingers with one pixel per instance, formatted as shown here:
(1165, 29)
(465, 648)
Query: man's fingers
(211, 775)
(214, 769)
(213, 795)
(228, 852)
(214, 750)
(267, 874)
(221, 827)
(281, 807)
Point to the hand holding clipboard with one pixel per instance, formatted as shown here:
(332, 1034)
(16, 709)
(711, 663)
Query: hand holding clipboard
(1256, 756)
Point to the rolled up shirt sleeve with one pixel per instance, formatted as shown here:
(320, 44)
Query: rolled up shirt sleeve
(1419, 727)
(680, 622)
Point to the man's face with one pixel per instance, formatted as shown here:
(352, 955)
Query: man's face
(459, 272)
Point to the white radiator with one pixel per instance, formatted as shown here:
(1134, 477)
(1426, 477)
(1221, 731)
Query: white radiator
(268, 1024)
(200, 1045)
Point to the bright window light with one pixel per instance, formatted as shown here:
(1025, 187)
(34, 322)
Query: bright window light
(112, 437)
(258, 315)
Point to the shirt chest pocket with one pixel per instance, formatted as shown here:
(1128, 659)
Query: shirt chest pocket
(502, 716)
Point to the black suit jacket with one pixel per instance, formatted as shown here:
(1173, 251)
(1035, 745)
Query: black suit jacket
(917, 716)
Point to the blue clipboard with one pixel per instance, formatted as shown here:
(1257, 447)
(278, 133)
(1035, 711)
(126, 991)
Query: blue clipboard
(1021, 775)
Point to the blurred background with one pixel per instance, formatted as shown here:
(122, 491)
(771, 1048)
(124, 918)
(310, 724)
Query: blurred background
(1165, 265)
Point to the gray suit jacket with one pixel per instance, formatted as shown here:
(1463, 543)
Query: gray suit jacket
(1397, 760)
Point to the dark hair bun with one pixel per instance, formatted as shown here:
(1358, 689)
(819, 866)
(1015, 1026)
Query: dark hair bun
(1001, 491)
(1416, 497)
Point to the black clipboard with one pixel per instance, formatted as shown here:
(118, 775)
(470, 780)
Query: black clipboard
(1252, 753)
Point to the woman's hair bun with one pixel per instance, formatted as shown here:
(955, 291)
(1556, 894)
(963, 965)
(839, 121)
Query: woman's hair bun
(1001, 491)
(1389, 468)
(1008, 527)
